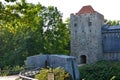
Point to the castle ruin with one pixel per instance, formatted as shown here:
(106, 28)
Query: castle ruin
(91, 39)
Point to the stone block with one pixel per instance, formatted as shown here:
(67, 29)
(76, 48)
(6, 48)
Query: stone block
(66, 62)
(36, 61)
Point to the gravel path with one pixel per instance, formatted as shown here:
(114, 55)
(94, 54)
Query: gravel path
(13, 77)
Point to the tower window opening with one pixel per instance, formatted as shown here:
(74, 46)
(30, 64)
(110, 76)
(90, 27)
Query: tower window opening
(75, 25)
(90, 30)
(89, 22)
(83, 59)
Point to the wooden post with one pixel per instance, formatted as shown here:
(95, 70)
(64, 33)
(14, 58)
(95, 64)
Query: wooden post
(50, 76)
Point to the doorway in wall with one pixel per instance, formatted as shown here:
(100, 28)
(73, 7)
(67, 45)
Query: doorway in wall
(83, 59)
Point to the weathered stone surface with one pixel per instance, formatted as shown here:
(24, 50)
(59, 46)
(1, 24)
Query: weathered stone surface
(91, 39)
(66, 62)
(36, 61)
(86, 36)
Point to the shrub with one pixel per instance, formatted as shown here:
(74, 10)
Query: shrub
(10, 70)
(59, 74)
(103, 70)
(15, 70)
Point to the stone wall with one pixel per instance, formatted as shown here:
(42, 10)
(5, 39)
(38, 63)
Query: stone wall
(86, 36)
(67, 62)
(91, 39)
(111, 41)
(111, 56)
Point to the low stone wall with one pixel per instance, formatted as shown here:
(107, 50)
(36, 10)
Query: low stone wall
(67, 62)
(111, 56)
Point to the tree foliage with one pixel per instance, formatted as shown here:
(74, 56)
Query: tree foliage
(112, 23)
(59, 74)
(28, 29)
(102, 70)
(10, 0)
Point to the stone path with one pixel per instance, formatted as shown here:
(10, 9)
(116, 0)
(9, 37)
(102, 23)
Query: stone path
(13, 77)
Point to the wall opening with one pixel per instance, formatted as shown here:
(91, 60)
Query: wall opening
(83, 59)
(89, 22)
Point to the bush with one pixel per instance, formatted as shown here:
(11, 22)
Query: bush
(103, 70)
(59, 74)
(15, 70)
(10, 70)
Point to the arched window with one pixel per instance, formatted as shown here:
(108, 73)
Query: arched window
(83, 59)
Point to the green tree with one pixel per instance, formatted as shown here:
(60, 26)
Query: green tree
(28, 29)
(56, 33)
(112, 23)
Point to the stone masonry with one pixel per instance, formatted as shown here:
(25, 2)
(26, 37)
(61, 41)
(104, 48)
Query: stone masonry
(67, 62)
(87, 37)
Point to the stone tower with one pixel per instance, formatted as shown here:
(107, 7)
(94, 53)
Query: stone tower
(86, 37)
